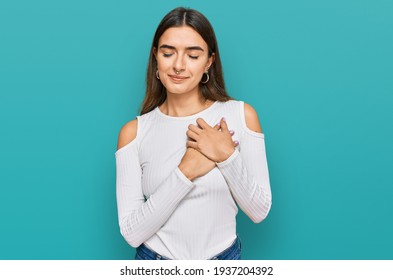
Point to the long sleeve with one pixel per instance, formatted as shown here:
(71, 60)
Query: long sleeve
(246, 173)
(140, 219)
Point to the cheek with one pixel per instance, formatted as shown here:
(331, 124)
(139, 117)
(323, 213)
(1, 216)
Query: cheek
(197, 67)
(163, 64)
(201, 65)
(198, 71)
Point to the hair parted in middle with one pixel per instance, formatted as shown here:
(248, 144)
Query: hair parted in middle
(214, 89)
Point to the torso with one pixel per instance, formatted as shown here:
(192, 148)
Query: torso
(204, 223)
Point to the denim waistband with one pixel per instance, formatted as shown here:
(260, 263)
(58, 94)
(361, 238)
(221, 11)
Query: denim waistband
(233, 252)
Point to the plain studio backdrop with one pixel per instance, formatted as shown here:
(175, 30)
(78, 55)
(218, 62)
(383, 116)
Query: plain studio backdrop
(319, 73)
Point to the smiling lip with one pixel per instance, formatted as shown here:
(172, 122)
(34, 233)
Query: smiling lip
(177, 78)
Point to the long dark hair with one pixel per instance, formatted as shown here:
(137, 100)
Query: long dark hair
(214, 89)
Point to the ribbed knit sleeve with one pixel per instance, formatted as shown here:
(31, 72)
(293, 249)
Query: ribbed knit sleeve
(140, 219)
(246, 174)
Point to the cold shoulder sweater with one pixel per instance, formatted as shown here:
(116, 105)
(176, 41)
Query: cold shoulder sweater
(179, 218)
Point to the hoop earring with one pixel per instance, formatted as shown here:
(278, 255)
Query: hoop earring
(157, 76)
(207, 78)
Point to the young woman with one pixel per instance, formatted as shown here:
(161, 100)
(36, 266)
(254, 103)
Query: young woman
(192, 156)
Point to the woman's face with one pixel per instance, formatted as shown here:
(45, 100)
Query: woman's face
(182, 58)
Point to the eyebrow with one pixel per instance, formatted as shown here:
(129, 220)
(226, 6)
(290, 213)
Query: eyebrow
(197, 48)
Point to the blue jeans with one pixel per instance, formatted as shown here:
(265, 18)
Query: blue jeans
(233, 252)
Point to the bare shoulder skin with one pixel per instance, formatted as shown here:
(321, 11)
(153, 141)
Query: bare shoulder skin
(252, 120)
(127, 133)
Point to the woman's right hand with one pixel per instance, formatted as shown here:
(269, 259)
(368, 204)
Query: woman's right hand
(194, 164)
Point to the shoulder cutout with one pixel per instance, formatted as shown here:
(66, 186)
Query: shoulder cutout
(127, 133)
(252, 120)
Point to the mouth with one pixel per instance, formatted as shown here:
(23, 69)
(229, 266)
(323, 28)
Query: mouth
(177, 78)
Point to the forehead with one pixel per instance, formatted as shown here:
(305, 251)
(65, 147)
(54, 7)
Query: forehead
(183, 36)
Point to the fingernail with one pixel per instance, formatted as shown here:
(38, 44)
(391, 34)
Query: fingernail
(236, 142)
(223, 118)
(218, 124)
(231, 132)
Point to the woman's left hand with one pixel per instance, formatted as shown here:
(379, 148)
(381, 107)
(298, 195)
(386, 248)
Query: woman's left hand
(214, 142)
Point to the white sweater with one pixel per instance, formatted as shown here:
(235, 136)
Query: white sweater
(179, 218)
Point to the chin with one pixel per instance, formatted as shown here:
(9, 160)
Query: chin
(177, 92)
(179, 89)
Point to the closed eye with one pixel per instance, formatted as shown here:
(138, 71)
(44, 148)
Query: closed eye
(167, 54)
(193, 56)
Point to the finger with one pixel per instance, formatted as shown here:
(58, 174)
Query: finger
(201, 122)
(217, 126)
(224, 126)
(192, 135)
(192, 144)
(194, 128)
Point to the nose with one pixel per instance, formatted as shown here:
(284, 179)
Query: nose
(179, 64)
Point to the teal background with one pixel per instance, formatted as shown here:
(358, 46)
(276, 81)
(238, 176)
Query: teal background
(319, 73)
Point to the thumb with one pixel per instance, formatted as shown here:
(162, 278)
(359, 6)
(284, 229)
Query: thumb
(224, 126)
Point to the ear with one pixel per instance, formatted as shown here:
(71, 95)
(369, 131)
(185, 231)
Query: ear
(210, 61)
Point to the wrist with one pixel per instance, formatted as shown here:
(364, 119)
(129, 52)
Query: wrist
(226, 154)
(186, 172)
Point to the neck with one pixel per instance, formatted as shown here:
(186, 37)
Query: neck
(182, 105)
